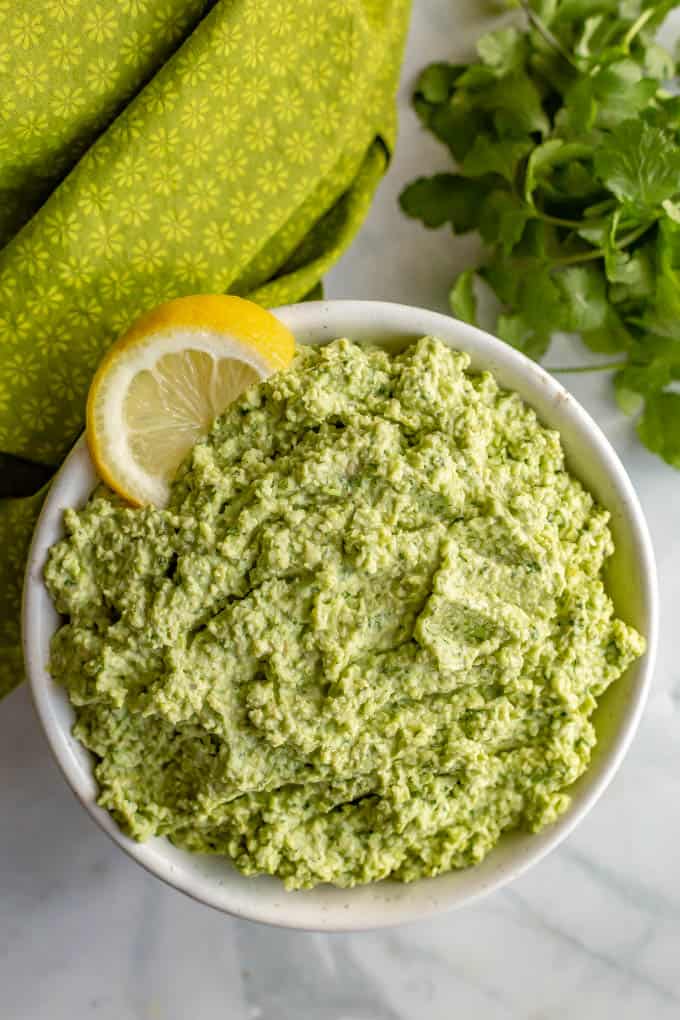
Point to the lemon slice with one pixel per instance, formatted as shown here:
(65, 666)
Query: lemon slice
(161, 385)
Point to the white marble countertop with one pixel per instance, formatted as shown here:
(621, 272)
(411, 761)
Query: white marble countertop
(591, 933)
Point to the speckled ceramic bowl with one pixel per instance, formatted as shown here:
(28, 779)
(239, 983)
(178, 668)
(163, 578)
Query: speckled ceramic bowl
(632, 582)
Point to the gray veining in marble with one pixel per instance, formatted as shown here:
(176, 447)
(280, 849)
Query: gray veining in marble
(592, 933)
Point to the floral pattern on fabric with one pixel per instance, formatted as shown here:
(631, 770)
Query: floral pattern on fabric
(246, 164)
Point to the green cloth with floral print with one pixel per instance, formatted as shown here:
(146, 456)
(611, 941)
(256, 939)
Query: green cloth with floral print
(151, 148)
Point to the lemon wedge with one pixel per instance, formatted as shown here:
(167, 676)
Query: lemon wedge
(161, 385)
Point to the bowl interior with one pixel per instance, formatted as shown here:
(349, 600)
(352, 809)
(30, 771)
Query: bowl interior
(632, 583)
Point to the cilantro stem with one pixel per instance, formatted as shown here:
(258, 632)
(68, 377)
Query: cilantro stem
(599, 253)
(547, 35)
(637, 26)
(573, 260)
(607, 366)
(558, 221)
(634, 234)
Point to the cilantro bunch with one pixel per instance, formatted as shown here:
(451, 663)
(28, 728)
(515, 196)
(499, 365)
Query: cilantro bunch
(565, 133)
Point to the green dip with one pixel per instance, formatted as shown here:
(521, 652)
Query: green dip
(365, 638)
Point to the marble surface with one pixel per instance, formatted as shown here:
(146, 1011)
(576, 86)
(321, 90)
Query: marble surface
(592, 932)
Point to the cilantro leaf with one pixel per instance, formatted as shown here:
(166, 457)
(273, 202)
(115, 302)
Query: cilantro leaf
(540, 161)
(596, 233)
(659, 426)
(585, 297)
(610, 337)
(658, 62)
(640, 164)
(654, 363)
(519, 334)
(579, 112)
(620, 90)
(528, 289)
(457, 126)
(633, 272)
(499, 272)
(503, 50)
(436, 82)
(634, 382)
(546, 157)
(444, 198)
(516, 103)
(672, 210)
(489, 156)
(544, 9)
(502, 219)
(573, 183)
(627, 396)
(567, 144)
(454, 124)
(662, 315)
(540, 298)
(476, 76)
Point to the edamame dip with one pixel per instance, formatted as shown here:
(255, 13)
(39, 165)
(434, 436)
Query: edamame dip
(365, 638)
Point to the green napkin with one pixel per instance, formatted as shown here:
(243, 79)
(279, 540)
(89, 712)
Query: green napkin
(245, 164)
(66, 69)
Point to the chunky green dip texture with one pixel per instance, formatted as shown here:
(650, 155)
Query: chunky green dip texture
(365, 638)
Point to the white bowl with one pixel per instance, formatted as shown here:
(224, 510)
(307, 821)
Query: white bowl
(632, 582)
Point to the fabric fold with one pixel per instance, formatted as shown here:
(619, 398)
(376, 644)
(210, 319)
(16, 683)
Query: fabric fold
(246, 164)
(67, 67)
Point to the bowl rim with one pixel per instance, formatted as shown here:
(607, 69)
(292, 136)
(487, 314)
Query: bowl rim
(307, 319)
